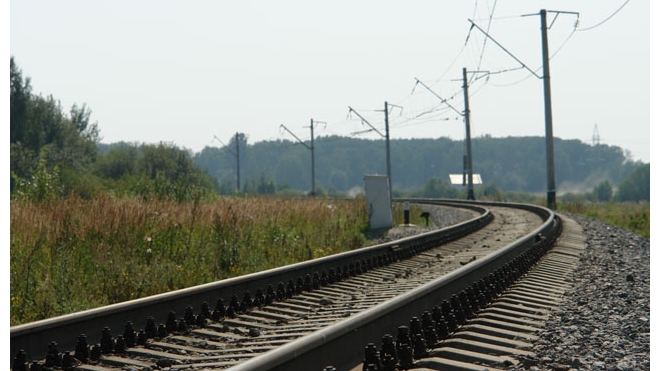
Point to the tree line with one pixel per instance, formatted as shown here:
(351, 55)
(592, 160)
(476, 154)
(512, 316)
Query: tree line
(513, 164)
(55, 153)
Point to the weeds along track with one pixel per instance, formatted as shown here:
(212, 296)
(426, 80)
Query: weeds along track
(303, 316)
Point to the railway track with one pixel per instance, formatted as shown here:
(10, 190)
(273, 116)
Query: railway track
(298, 317)
(497, 335)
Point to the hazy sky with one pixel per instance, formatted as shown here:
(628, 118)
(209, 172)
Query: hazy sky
(186, 71)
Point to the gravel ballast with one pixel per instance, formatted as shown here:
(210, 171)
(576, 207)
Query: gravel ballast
(440, 217)
(604, 323)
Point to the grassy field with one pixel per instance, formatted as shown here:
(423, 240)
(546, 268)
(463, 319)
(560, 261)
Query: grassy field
(633, 216)
(77, 254)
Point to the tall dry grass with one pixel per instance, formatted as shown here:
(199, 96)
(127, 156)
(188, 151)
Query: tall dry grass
(78, 254)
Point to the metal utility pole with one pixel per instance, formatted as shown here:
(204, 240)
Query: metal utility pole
(238, 161)
(386, 136)
(467, 160)
(310, 147)
(387, 148)
(468, 140)
(311, 128)
(238, 167)
(595, 137)
(549, 138)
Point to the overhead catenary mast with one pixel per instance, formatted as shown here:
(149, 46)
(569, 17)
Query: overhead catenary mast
(310, 147)
(468, 140)
(238, 166)
(467, 164)
(386, 136)
(238, 161)
(549, 136)
(595, 137)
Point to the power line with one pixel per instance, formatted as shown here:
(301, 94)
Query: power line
(483, 49)
(444, 101)
(538, 68)
(497, 18)
(505, 50)
(467, 37)
(430, 115)
(421, 114)
(606, 19)
(365, 121)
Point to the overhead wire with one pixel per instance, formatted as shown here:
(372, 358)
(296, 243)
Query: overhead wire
(483, 48)
(458, 54)
(606, 19)
(467, 38)
(565, 41)
(496, 18)
(417, 116)
(561, 46)
(423, 116)
(436, 113)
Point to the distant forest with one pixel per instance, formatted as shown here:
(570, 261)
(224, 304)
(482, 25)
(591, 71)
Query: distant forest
(511, 164)
(56, 153)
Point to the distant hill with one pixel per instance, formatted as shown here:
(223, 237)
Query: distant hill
(512, 163)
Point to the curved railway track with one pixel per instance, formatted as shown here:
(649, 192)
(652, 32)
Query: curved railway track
(504, 331)
(304, 316)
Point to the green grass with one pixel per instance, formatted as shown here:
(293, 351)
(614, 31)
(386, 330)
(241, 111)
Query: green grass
(633, 216)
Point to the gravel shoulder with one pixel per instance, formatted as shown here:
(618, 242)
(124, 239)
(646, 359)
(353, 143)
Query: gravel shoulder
(604, 323)
(441, 216)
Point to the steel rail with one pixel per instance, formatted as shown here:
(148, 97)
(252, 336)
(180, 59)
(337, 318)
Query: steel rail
(34, 337)
(342, 344)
